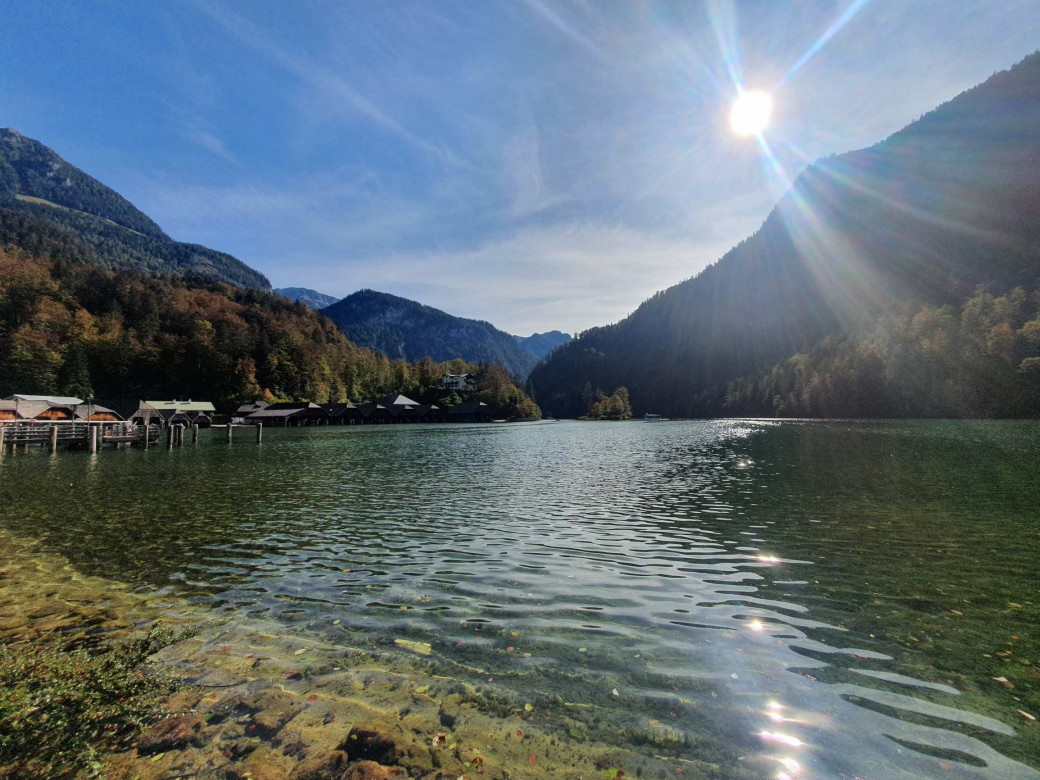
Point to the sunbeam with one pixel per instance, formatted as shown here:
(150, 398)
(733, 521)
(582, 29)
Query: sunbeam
(854, 8)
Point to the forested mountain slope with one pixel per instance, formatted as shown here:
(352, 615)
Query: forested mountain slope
(35, 180)
(69, 326)
(409, 330)
(948, 203)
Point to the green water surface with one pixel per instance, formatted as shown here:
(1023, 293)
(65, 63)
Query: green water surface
(814, 599)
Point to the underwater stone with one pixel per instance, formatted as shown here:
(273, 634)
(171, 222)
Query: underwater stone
(170, 733)
(327, 767)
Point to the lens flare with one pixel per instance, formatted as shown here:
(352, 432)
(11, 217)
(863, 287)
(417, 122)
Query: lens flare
(751, 113)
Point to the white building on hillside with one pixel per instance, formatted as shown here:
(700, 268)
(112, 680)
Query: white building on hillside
(457, 381)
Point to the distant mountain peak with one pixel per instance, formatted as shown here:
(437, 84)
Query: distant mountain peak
(312, 298)
(538, 345)
(403, 328)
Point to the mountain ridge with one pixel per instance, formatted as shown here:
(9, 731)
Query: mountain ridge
(312, 298)
(401, 327)
(935, 209)
(35, 180)
(538, 345)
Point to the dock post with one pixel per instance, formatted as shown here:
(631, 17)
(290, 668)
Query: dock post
(169, 435)
(227, 434)
(54, 438)
(147, 430)
(180, 434)
(1, 439)
(259, 432)
(194, 433)
(93, 443)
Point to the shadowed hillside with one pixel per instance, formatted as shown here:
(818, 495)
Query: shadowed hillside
(946, 204)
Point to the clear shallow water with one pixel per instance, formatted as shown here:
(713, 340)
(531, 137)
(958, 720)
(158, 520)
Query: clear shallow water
(810, 598)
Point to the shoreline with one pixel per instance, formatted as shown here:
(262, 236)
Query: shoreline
(261, 701)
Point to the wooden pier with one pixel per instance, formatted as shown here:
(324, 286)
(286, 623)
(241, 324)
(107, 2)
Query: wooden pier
(92, 436)
(74, 434)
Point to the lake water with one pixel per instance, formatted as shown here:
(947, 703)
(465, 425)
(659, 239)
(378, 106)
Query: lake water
(790, 599)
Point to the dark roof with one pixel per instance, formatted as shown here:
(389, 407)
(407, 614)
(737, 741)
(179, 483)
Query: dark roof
(340, 410)
(124, 407)
(269, 413)
(373, 409)
(252, 406)
(469, 407)
(288, 409)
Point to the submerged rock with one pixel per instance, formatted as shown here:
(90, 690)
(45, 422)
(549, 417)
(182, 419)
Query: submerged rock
(370, 770)
(368, 745)
(327, 767)
(176, 732)
(254, 772)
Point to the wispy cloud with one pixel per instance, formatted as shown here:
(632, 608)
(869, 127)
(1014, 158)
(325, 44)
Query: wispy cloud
(556, 20)
(338, 91)
(543, 164)
(211, 143)
(573, 276)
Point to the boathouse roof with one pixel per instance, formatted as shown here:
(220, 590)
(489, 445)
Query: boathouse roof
(339, 410)
(30, 410)
(397, 400)
(468, 407)
(288, 409)
(252, 406)
(86, 410)
(54, 400)
(179, 406)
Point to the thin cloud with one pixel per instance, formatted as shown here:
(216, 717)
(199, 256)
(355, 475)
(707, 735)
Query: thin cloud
(337, 89)
(573, 276)
(557, 21)
(211, 143)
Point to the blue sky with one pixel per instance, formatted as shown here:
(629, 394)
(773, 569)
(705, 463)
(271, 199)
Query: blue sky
(537, 164)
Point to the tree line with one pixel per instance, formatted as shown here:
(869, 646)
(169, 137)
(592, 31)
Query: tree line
(70, 326)
(979, 359)
(598, 406)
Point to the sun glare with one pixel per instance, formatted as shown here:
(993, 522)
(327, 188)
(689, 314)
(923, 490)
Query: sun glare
(751, 112)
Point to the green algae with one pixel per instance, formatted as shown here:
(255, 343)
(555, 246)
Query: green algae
(61, 710)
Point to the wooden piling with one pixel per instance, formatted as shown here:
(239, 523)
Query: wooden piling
(227, 434)
(194, 433)
(147, 431)
(169, 435)
(54, 438)
(93, 443)
(259, 432)
(1, 439)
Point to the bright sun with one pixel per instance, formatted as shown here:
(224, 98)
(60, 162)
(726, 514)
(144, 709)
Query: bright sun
(751, 112)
